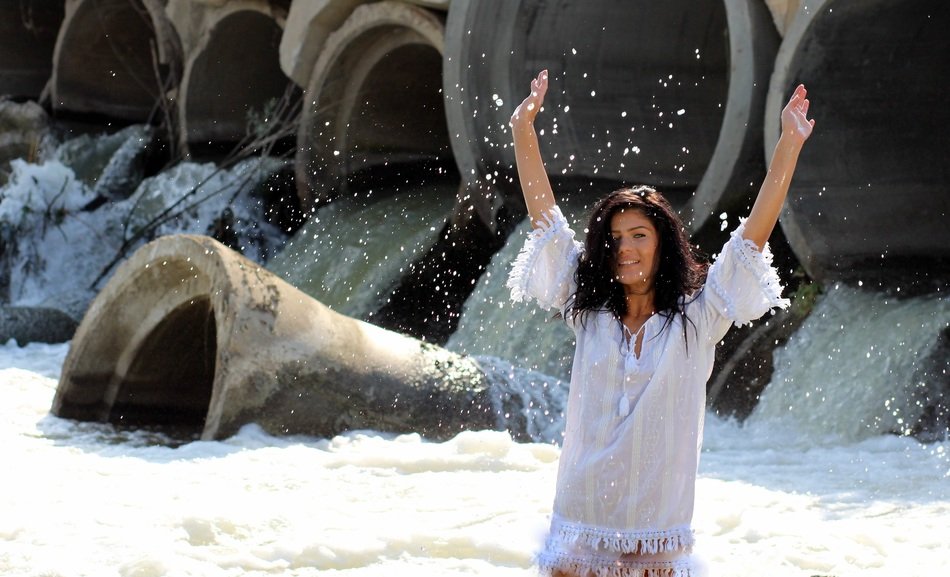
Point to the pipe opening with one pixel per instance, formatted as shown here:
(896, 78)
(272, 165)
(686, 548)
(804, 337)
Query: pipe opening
(169, 381)
(629, 104)
(626, 105)
(104, 62)
(27, 38)
(377, 127)
(374, 104)
(235, 85)
(399, 116)
(876, 166)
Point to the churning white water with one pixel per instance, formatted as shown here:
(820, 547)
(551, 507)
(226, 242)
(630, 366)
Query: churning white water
(779, 497)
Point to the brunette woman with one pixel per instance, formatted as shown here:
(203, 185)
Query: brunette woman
(647, 315)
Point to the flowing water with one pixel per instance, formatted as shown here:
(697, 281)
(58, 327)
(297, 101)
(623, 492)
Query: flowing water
(814, 483)
(350, 254)
(491, 325)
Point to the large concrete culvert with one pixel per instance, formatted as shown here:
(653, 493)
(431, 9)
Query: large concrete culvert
(374, 99)
(870, 198)
(232, 79)
(190, 333)
(146, 355)
(28, 31)
(115, 58)
(670, 94)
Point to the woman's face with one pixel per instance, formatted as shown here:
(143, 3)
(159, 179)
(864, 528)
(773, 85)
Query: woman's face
(636, 249)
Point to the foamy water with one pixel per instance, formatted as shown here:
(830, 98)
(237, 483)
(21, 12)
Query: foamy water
(84, 499)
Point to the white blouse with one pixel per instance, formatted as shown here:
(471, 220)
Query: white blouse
(633, 432)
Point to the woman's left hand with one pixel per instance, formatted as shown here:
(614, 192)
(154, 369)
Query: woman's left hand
(794, 116)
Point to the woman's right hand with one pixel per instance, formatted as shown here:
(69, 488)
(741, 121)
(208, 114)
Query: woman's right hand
(529, 108)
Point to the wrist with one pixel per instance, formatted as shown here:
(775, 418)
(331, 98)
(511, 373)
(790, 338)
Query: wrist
(789, 144)
(791, 138)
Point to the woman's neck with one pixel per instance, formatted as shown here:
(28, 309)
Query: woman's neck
(640, 304)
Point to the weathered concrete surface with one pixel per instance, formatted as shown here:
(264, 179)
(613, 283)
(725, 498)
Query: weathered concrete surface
(28, 32)
(783, 12)
(190, 333)
(417, 95)
(35, 325)
(374, 98)
(627, 104)
(869, 200)
(434, 4)
(308, 26)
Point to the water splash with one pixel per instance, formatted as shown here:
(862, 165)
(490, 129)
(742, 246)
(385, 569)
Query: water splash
(523, 334)
(349, 255)
(848, 373)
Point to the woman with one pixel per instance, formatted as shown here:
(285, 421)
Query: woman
(647, 316)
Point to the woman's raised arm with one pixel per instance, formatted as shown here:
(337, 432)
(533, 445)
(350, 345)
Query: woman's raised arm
(535, 185)
(796, 128)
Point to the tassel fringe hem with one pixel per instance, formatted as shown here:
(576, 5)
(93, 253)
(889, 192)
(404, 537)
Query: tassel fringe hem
(639, 542)
(582, 567)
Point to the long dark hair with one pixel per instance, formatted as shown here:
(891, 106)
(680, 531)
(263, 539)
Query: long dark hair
(680, 273)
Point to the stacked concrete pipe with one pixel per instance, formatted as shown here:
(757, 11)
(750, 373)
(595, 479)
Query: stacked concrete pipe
(374, 118)
(870, 201)
(231, 73)
(666, 94)
(190, 334)
(114, 58)
(373, 98)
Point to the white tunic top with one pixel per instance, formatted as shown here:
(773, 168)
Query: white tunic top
(633, 431)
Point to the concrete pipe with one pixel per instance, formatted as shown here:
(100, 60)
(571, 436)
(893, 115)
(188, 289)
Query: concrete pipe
(306, 31)
(192, 334)
(27, 36)
(115, 58)
(373, 99)
(669, 94)
(232, 74)
(869, 200)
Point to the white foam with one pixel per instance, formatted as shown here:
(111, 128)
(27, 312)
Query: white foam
(81, 499)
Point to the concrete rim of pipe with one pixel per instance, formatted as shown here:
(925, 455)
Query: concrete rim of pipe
(126, 86)
(735, 161)
(188, 332)
(875, 168)
(332, 97)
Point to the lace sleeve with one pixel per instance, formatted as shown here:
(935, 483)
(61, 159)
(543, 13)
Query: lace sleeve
(544, 269)
(742, 285)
